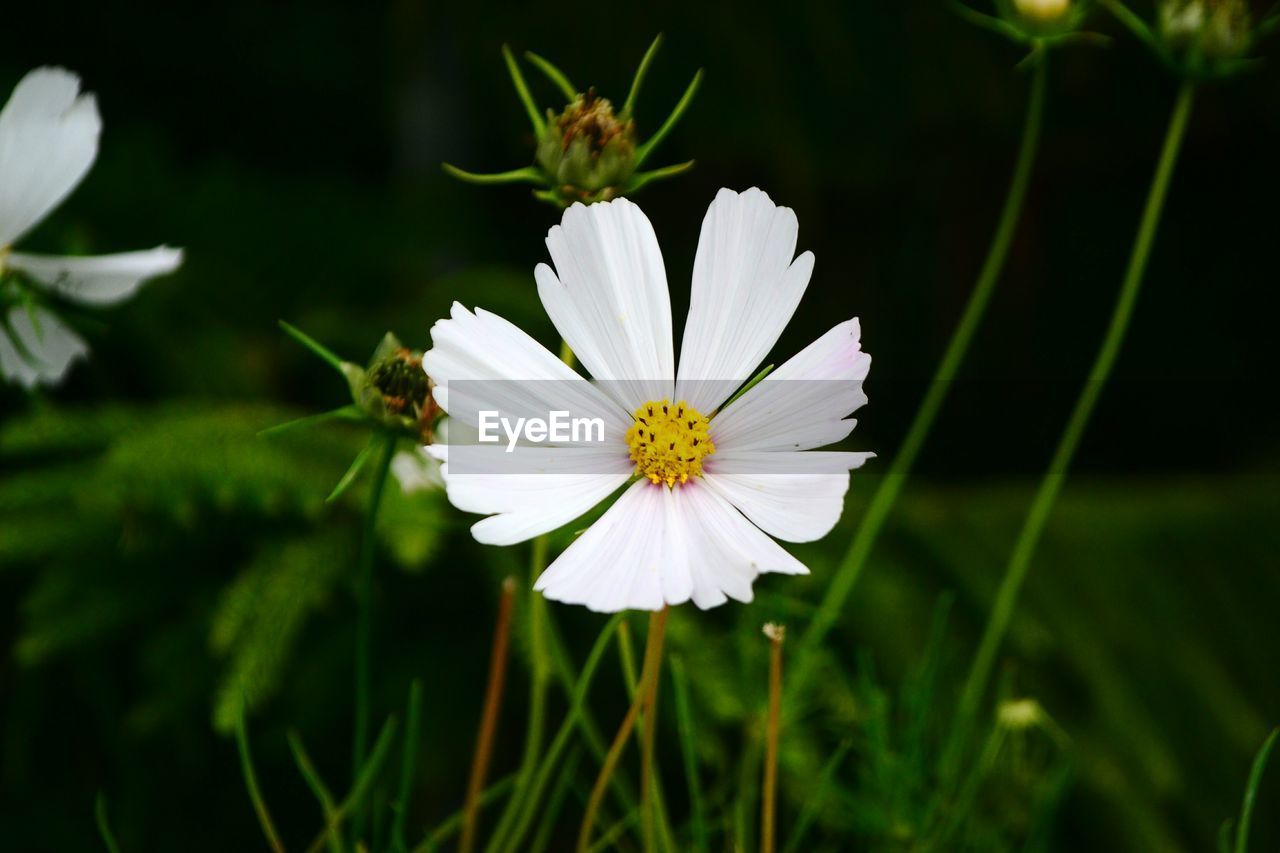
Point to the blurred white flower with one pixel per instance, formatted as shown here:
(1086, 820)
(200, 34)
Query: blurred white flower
(48, 141)
(712, 482)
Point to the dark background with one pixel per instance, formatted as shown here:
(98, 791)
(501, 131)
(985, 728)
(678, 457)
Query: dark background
(294, 150)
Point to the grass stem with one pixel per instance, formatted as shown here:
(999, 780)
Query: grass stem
(886, 494)
(649, 672)
(1051, 484)
(364, 618)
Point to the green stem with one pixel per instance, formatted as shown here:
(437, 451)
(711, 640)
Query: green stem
(688, 739)
(104, 826)
(515, 838)
(408, 765)
(1051, 484)
(539, 681)
(364, 616)
(886, 495)
(251, 779)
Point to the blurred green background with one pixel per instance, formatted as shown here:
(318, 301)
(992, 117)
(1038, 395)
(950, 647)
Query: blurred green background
(154, 552)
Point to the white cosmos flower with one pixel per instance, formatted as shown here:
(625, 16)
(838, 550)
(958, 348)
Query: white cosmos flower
(696, 523)
(48, 141)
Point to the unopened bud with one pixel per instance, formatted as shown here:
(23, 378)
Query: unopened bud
(1215, 29)
(587, 149)
(1042, 11)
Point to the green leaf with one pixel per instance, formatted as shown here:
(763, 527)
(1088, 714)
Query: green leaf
(261, 615)
(527, 175)
(641, 72)
(350, 412)
(646, 148)
(318, 787)
(522, 89)
(640, 180)
(555, 75)
(1251, 791)
(104, 828)
(353, 470)
(318, 349)
(251, 781)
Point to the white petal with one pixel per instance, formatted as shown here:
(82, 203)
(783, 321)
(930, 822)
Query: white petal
(659, 546)
(53, 346)
(795, 496)
(533, 491)
(803, 404)
(48, 141)
(97, 279)
(416, 471)
(618, 562)
(610, 299)
(492, 364)
(745, 289)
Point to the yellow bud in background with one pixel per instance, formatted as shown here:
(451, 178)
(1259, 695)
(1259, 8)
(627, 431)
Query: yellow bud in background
(1042, 11)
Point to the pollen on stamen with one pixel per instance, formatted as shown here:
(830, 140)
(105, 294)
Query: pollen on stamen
(669, 447)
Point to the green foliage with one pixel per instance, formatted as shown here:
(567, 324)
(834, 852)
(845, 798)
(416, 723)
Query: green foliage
(125, 516)
(261, 613)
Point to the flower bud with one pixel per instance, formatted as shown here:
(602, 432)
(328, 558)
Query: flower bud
(1042, 11)
(394, 389)
(1213, 29)
(587, 150)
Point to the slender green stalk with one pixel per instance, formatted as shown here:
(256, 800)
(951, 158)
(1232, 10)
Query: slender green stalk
(649, 672)
(555, 803)
(360, 789)
(104, 826)
(649, 712)
(251, 779)
(816, 797)
(628, 660)
(512, 840)
(489, 717)
(689, 737)
(886, 495)
(408, 764)
(321, 791)
(453, 823)
(1051, 484)
(1251, 792)
(539, 680)
(627, 657)
(613, 833)
(364, 616)
(587, 727)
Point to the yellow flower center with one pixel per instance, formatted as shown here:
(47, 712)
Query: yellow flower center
(668, 441)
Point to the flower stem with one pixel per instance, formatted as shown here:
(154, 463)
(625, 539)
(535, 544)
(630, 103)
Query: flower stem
(251, 780)
(648, 678)
(539, 680)
(886, 495)
(1051, 484)
(514, 840)
(364, 615)
(489, 717)
(768, 807)
(649, 711)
